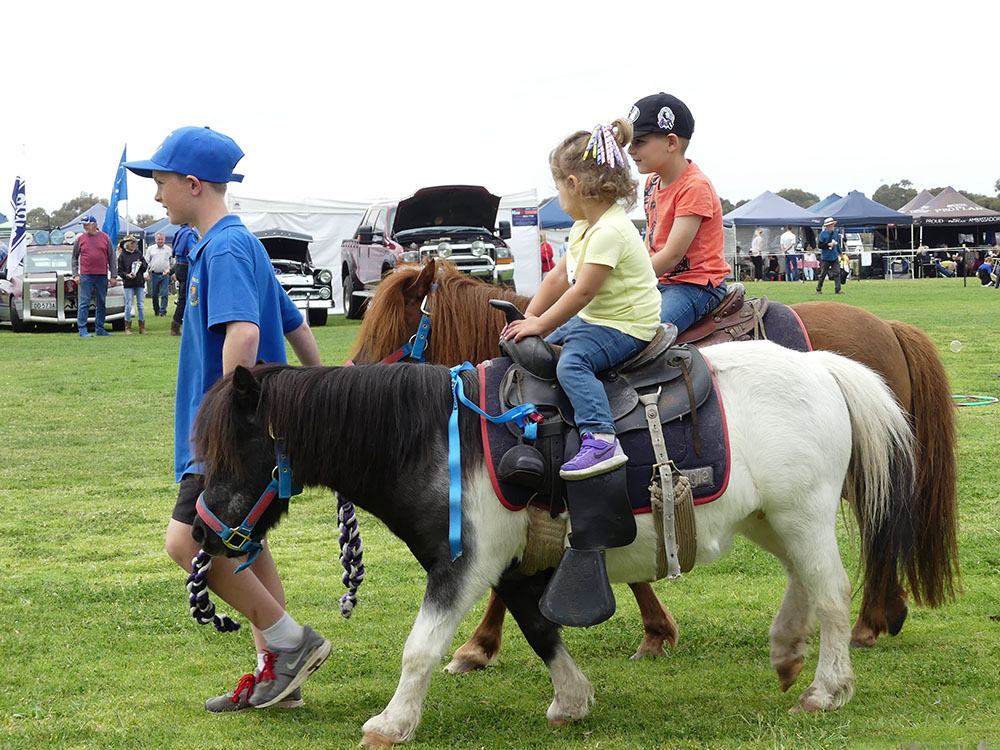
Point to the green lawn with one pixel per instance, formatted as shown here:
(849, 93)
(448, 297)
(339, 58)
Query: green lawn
(99, 652)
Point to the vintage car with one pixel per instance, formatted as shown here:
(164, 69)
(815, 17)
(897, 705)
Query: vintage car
(455, 222)
(47, 292)
(310, 288)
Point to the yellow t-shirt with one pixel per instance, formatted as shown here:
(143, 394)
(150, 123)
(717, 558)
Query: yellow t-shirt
(629, 300)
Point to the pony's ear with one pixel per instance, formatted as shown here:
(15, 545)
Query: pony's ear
(246, 389)
(417, 289)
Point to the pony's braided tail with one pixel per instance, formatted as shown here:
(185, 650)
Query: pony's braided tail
(202, 609)
(350, 555)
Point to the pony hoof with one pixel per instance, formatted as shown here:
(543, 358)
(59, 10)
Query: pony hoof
(805, 707)
(788, 673)
(897, 622)
(863, 636)
(554, 723)
(462, 666)
(652, 653)
(374, 739)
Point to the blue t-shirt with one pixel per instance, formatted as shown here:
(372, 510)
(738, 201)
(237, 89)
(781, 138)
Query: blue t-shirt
(230, 278)
(185, 239)
(829, 252)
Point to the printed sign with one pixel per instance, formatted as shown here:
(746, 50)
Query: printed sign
(524, 217)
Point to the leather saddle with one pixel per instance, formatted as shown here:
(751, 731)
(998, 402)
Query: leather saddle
(735, 318)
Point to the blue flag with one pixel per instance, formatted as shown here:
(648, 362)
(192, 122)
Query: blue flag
(18, 238)
(118, 192)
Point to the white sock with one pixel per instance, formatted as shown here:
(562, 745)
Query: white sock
(607, 437)
(284, 634)
(260, 664)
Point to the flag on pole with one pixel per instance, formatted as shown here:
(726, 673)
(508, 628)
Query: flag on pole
(118, 192)
(18, 237)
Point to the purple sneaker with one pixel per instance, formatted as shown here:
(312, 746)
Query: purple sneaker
(595, 457)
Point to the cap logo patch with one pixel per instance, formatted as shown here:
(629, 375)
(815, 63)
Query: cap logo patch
(633, 114)
(666, 118)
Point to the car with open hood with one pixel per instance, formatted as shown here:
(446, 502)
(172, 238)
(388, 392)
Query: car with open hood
(457, 223)
(47, 293)
(310, 287)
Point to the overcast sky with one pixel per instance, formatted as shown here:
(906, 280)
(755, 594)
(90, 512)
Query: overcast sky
(354, 101)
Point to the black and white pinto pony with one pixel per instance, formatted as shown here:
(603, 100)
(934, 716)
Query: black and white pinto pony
(804, 429)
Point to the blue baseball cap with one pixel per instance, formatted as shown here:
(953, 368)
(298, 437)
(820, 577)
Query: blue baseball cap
(202, 152)
(88, 219)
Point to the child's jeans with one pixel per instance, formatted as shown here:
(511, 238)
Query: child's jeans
(683, 304)
(587, 350)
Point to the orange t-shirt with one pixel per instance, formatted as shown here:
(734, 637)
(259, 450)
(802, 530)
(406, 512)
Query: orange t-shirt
(691, 194)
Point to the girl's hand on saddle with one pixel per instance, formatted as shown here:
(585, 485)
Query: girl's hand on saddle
(518, 329)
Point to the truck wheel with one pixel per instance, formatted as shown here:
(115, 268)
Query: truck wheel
(118, 325)
(354, 307)
(16, 324)
(317, 318)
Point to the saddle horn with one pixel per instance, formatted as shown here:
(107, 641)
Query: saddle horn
(508, 309)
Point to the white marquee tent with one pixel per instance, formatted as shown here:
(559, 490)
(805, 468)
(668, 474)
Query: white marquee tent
(329, 222)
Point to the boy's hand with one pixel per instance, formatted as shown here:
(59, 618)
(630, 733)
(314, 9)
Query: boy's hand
(518, 329)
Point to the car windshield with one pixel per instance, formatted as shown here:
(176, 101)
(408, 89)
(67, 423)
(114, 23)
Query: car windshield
(42, 261)
(853, 237)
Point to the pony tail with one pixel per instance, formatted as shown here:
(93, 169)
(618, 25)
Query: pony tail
(623, 131)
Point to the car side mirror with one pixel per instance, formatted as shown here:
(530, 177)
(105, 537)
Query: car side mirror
(504, 230)
(365, 235)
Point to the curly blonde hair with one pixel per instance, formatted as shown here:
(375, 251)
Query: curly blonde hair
(604, 182)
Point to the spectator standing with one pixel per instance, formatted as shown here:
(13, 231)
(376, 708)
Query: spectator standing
(239, 314)
(564, 247)
(756, 245)
(788, 241)
(132, 267)
(184, 240)
(828, 258)
(93, 263)
(546, 250)
(158, 258)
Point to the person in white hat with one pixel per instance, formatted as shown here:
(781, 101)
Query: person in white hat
(829, 257)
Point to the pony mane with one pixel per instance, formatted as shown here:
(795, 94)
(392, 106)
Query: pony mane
(353, 428)
(464, 327)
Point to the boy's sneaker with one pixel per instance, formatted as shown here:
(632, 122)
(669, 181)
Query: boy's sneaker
(239, 699)
(101, 332)
(596, 456)
(84, 334)
(286, 669)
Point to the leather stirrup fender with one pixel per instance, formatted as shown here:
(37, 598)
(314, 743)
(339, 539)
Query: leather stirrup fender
(578, 595)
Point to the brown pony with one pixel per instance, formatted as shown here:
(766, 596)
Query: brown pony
(465, 328)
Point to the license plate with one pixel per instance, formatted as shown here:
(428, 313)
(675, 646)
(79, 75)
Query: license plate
(43, 304)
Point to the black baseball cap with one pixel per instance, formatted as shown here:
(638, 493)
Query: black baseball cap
(661, 113)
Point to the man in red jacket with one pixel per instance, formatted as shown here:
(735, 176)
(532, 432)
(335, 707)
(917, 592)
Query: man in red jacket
(93, 261)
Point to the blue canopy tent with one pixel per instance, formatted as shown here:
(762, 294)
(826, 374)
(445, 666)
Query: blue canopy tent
(99, 211)
(163, 226)
(551, 216)
(770, 210)
(828, 200)
(857, 210)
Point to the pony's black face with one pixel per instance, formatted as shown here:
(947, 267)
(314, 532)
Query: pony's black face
(232, 440)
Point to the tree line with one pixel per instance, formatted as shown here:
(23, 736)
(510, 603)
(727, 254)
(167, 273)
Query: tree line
(39, 218)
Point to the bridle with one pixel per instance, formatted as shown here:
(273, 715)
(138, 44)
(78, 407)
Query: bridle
(241, 538)
(415, 347)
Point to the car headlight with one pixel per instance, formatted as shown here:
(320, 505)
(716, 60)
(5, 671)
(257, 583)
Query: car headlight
(444, 249)
(410, 256)
(324, 293)
(503, 253)
(324, 276)
(478, 248)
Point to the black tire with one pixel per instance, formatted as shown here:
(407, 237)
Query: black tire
(117, 325)
(354, 307)
(318, 318)
(16, 323)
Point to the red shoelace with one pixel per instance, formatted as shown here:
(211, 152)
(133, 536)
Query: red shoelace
(246, 682)
(267, 673)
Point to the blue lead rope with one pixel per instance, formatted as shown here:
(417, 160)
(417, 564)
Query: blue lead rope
(519, 415)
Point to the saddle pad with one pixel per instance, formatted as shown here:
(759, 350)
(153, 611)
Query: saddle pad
(708, 472)
(783, 326)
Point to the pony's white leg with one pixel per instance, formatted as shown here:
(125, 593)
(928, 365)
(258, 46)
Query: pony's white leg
(794, 620)
(813, 554)
(493, 536)
(573, 691)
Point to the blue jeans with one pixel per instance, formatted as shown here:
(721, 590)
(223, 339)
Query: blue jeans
(138, 294)
(96, 284)
(683, 304)
(158, 290)
(587, 350)
(793, 268)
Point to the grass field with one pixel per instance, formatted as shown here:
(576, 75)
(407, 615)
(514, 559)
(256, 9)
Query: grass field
(98, 650)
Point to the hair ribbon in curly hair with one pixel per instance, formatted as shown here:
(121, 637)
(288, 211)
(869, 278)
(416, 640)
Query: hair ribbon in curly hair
(603, 147)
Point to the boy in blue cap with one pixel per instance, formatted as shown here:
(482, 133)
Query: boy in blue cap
(236, 314)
